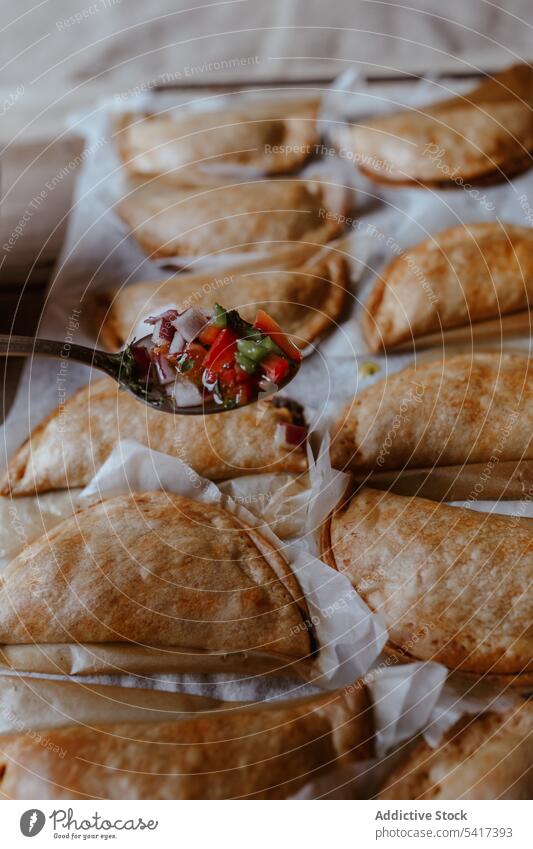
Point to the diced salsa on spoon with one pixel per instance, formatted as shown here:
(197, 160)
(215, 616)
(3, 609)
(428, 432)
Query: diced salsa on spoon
(200, 359)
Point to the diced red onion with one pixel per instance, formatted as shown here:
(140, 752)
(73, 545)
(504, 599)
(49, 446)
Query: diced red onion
(185, 393)
(279, 436)
(190, 323)
(177, 345)
(166, 372)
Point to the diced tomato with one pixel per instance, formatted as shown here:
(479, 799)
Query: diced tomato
(295, 434)
(222, 352)
(227, 377)
(194, 356)
(267, 325)
(275, 368)
(240, 392)
(208, 334)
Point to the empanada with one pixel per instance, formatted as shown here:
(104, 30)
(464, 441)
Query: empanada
(30, 517)
(486, 758)
(181, 582)
(67, 448)
(263, 751)
(467, 408)
(306, 300)
(452, 584)
(192, 148)
(242, 217)
(483, 135)
(460, 276)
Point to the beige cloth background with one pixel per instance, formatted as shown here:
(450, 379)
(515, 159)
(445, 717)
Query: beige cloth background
(60, 53)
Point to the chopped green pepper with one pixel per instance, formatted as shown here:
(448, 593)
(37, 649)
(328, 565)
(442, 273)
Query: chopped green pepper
(249, 366)
(220, 317)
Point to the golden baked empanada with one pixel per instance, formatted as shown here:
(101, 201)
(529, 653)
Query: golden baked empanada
(485, 134)
(218, 447)
(452, 584)
(242, 217)
(177, 582)
(460, 276)
(195, 147)
(265, 751)
(464, 409)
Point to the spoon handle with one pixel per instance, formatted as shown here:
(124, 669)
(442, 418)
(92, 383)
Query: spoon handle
(28, 346)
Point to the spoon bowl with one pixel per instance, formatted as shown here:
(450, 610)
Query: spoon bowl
(120, 367)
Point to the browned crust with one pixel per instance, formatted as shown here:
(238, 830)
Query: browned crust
(307, 738)
(337, 273)
(483, 331)
(17, 464)
(303, 638)
(319, 235)
(521, 681)
(291, 256)
(153, 248)
(326, 550)
(508, 323)
(104, 323)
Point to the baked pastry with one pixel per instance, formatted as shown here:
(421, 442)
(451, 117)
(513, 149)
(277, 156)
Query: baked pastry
(242, 217)
(180, 582)
(485, 758)
(450, 583)
(239, 442)
(306, 300)
(459, 277)
(464, 409)
(264, 751)
(481, 136)
(30, 703)
(194, 147)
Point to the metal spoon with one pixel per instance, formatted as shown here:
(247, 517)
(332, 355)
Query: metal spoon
(117, 366)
